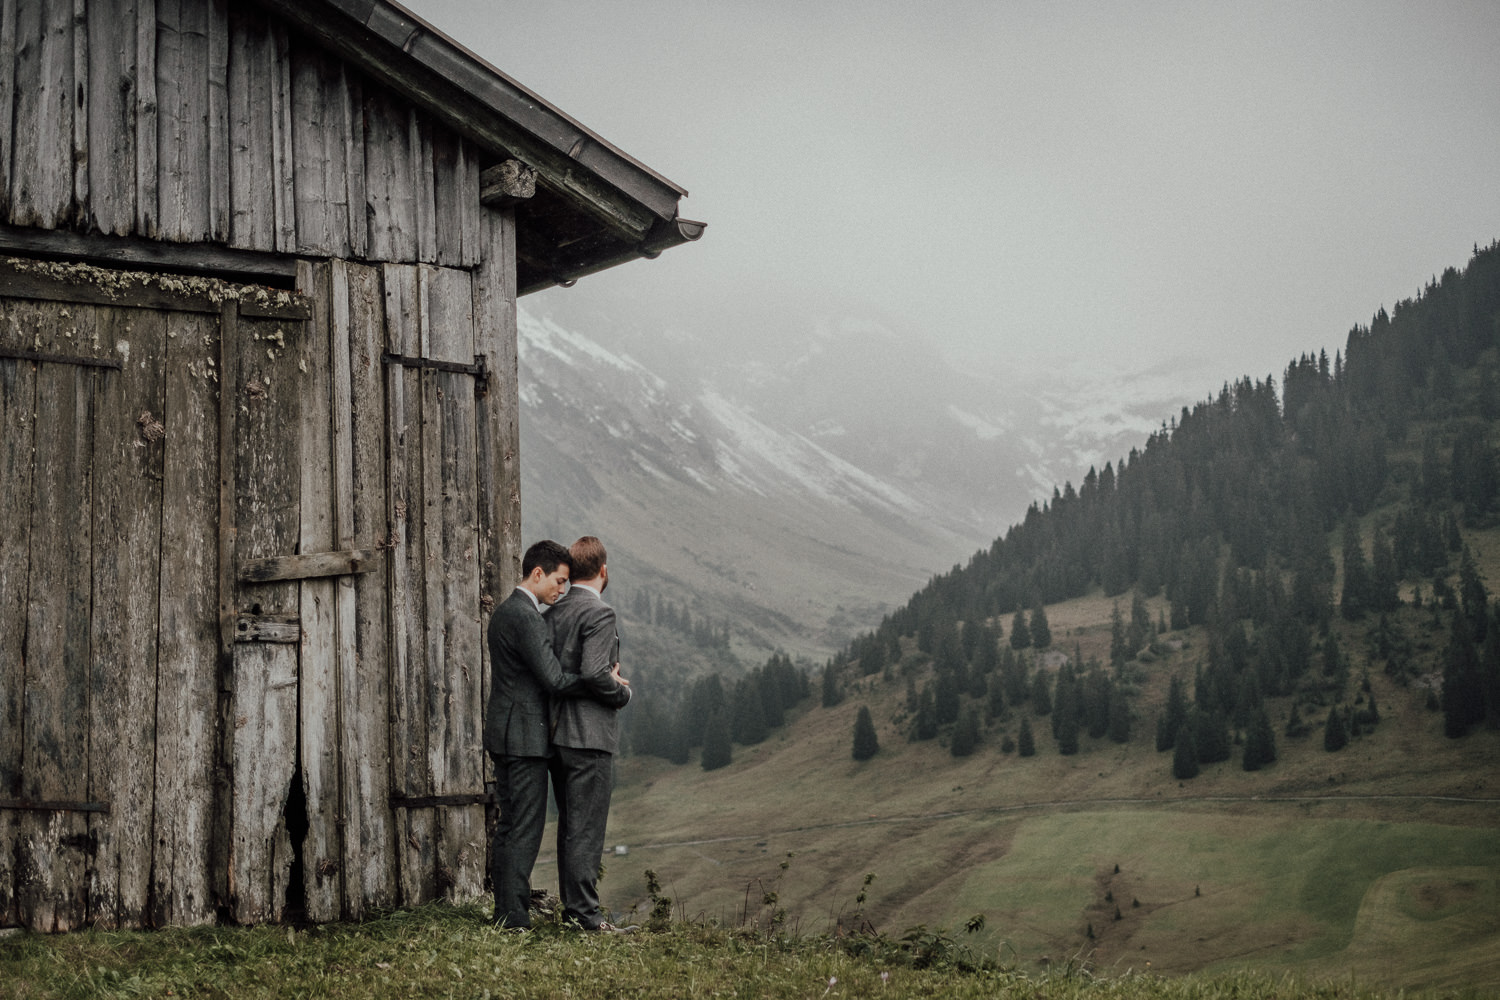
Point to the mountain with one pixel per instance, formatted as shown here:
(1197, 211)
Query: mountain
(797, 488)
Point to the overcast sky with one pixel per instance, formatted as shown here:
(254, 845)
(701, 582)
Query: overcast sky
(1132, 182)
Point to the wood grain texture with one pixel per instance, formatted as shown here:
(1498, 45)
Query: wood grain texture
(7, 99)
(111, 117)
(183, 164)
(267, 442)
(253, 110)
(147, 142)
(390, 181)
(410, 773)
(188, 641)
(54, 724)
(128, 456)
(365, 677)
(318, 707)
(17, 427)
(42, 181)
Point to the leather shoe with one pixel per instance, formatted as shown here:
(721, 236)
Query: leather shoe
(605, 927)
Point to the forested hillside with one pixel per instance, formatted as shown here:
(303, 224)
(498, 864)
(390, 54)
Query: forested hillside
(1345, 491)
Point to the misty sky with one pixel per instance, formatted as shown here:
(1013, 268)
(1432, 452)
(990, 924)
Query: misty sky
(1136, 183)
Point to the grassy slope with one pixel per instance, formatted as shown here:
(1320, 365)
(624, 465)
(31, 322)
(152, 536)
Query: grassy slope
(1325, 863)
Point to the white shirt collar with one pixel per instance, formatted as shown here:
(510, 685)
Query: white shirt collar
(535, 603)
(584, 586)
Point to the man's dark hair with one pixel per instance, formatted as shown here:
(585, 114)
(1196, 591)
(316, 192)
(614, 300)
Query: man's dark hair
(588, 557)
(548, 555)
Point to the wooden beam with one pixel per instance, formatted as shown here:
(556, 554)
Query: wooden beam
(268, 628)
(305, 567)
(506, 183)
(245, 266)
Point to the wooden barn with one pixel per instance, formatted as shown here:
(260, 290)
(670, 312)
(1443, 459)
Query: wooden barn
(259, 264)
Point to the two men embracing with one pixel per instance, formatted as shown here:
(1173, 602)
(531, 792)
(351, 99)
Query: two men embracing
(555, 693)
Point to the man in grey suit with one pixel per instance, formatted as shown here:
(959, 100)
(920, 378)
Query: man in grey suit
(523, 673)
(586, 639)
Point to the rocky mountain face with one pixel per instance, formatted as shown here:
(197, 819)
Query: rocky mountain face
(799, 487)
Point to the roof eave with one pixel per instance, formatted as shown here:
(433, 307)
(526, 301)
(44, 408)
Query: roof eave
(396, 47)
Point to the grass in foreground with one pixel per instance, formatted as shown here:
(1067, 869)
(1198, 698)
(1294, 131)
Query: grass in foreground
(446, 951)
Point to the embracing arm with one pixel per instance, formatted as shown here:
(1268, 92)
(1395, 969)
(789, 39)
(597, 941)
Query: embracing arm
(601, 650)
(531, 640)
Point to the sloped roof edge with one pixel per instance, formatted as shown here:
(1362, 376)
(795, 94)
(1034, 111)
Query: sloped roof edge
(393, 45)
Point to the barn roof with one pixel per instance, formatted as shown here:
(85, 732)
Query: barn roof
(594, 206)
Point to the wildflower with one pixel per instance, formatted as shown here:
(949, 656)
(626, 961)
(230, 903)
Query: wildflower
(885, 979)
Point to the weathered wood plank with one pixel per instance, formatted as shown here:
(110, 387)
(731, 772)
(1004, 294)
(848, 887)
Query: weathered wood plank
(54, 751)
(142, 291)
(147, 143)
(268, 508)
(449, 171)
(248, 267)
(42, 181)
(423, 189)
(186, 677)
(17, 427)
(182, 73)
(353, 130)
(369, 839)
(344, 562)
(7, 100)
(410, 775)
(429, 582)
(129, 445)
(390, 179)
(78, 207)
(448, 317)
(217, 123)
(461, 721)
(268, 628)
(318, 707)
(320, 152)
(112, 94)
(283, 179)
(252, 51)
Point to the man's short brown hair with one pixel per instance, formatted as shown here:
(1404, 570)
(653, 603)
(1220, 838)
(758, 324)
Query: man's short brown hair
(588, 557)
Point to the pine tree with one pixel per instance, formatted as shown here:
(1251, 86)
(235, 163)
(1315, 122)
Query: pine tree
(1335, 733)
(716, 749)
(1041, 632)
(1066, 723)
(1041, 693)
(1025, 740)
(946, 697)
(1185, 754)
(1260, 742)
(965, 734)
(1169, 724)
(866, 743)
(1356, 597)
(749, 726)
(1020, 634)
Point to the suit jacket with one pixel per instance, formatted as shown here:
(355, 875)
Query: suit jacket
(523, 673)
(586, 639)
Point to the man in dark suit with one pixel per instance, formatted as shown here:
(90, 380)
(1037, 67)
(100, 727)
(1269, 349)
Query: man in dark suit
(523, 673)
(586, 639)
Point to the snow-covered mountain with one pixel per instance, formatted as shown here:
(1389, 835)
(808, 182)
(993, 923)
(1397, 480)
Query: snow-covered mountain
(802, 486)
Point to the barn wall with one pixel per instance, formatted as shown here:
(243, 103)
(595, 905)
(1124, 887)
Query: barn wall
(204, 121)
(208, 759)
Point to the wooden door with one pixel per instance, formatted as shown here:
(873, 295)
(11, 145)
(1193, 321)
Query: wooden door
(110, 591)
